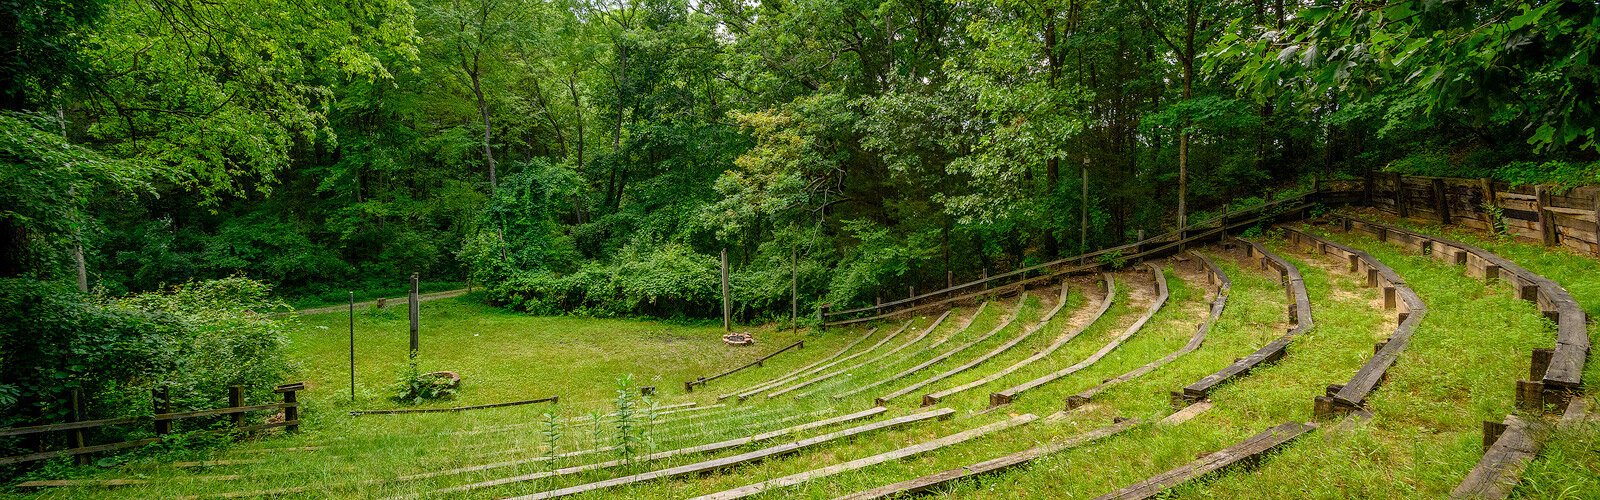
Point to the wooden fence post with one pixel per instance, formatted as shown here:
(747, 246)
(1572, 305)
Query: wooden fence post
(1597, 222)
(235, 400)
(163, 405)
(1443, 203)
(77, 434)
(1400, 196)
(1547, 223)
(291, 411)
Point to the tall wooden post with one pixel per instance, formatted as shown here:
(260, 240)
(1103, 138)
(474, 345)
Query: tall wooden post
(414, 301)
(291, 410)
(794, 288)
(352, 347)
(727, 318)
(1597, 222)
(1083, 213)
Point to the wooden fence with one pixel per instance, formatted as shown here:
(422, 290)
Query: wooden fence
(1232, 221)
(162, 418)
(1550, 215)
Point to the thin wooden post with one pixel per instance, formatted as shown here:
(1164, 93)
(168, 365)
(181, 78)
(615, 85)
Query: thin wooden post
(163, 405)
(1547, 225)
(727, 318)
(794, 288)
(352, 347)
(235, 400)
(822, 318)
(291, 411)
(1443, 207)
(985, 280)
(414, 301)
(77, 434)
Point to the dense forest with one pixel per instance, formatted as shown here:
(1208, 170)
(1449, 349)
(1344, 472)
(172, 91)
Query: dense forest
(594, 157)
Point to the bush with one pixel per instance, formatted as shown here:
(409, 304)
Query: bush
(194, 340)
(415, 387)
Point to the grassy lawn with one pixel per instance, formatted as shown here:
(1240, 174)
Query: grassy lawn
(1423, 438)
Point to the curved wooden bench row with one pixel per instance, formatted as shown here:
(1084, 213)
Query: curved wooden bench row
(1004, 322)
(879, 357)
(1509, 446)
(704, 448)
(1214, 275)
(798, 372)
(1155, 246)
(990, 466)
(743, 458)
(792, 387)
(1348, 398)
(1026, 333)
(1249, 449)
(701, 381)
(919, 352)
(1108, 285)
(1299, 317)
(861, 463)
(1006, 396)
(1555, 374)
(689, 407)
(455, 409)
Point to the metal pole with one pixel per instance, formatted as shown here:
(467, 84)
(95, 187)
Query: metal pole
(352, 347)
(727, 323)
(414, 316)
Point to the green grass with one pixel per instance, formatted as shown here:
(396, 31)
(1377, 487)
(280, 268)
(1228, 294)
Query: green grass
(1423, 438)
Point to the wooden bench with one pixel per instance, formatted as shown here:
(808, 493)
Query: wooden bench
(1299, 318)
(1347, 398)
(701, 381)
(1108, 285)
(885, 340)
(1249, 450)
(1215, 276)
(1006, 396)
(798, 372)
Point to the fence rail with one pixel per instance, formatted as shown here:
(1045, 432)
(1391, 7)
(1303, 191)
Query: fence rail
(1159, 245)
(162, 419)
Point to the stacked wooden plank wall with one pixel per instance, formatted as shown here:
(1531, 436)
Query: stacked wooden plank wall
(1547, 214)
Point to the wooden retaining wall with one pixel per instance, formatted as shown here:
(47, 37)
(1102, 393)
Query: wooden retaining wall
(1546, 214)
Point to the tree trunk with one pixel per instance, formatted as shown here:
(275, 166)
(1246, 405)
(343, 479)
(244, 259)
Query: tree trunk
(1052, 166)
(483, 111)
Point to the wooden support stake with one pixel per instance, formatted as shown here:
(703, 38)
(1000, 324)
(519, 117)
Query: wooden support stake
(1597, 222)
(1547, 222)
(1540, 363)
(1400, 196)
(1388, 297)
(1442, 202)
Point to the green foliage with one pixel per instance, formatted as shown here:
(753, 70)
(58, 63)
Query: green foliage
(412, 386)
(194, 340)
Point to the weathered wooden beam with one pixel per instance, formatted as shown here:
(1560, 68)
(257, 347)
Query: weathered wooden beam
(1249, 449)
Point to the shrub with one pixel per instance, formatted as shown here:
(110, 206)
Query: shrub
(414, 387)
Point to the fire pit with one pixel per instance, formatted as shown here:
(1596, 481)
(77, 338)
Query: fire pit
(739, 339)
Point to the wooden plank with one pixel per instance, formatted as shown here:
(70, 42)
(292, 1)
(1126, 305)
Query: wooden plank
(798, 372)
(1004, 322)
(886, 339)
(990, 466)
(45, 455)
(1250, 448)
(1010, 394)
(704, 448)
(1501, 466)
(1212, 313)
(1105, 303)
(885, 355)
(217, 463)
(743, 458)
(409, 411)
(1185, 414)
(701, 381)
(930, 400)
(861, 463)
